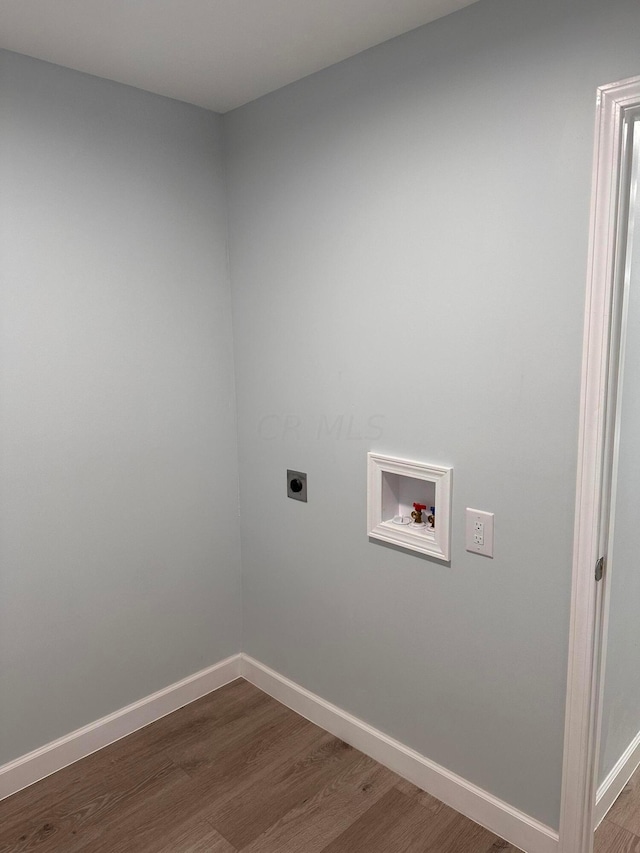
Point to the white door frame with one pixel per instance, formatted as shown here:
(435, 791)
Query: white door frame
(614, 106)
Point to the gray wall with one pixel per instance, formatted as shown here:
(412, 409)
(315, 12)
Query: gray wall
(409, 239)
(408, 246)
(119, 554)
(621, 696)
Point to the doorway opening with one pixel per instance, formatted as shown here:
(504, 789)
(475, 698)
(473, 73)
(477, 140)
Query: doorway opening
(595, 726)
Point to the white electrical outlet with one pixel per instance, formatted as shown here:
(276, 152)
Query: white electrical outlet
(479, 532)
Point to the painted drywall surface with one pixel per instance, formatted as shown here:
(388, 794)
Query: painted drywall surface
(118, 477)
(621, 696)
(408, 252)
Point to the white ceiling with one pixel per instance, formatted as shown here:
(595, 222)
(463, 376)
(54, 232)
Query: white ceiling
(218, 54)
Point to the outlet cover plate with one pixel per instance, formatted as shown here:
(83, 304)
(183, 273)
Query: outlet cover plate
(479, 532)
(297, 486)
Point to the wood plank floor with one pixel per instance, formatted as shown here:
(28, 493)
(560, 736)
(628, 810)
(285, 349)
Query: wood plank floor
(619, 832)
(236, 772)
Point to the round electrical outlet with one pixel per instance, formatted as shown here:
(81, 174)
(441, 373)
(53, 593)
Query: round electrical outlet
(297, 485)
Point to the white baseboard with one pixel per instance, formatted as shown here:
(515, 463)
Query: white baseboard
(59, 753)
(516, 827)
(612, 786)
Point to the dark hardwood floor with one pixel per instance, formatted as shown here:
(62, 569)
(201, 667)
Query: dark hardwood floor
(234, 772)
